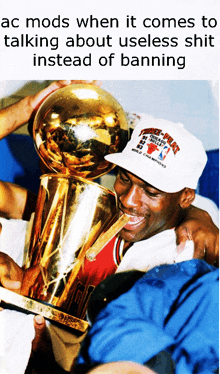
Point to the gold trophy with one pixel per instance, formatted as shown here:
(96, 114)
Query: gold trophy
(74, 128)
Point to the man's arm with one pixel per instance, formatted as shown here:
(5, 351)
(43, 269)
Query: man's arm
(18, 114)
(198, 226)
(16, 202)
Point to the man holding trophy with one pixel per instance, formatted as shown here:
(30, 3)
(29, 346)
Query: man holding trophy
(154, 193)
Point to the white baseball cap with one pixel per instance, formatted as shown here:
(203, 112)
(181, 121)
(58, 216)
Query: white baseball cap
(163, 154)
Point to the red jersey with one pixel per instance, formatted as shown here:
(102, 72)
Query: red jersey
(92, 273)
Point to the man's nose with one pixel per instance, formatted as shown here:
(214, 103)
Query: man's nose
(129, 198)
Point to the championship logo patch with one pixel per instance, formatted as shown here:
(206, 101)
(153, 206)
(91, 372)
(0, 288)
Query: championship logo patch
(156, 145)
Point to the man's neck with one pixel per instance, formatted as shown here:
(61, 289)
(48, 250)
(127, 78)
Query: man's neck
(127, 245)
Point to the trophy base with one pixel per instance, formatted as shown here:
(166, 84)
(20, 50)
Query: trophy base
(47, 311)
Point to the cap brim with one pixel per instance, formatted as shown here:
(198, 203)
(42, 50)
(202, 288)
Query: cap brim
(152, 174)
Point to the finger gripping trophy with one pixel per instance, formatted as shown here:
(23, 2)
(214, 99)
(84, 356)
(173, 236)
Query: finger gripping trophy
(74, 128)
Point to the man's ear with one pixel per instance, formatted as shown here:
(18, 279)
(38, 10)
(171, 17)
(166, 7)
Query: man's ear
(186, 198)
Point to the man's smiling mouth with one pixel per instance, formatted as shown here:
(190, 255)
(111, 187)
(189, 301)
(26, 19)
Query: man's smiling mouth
(134, 221)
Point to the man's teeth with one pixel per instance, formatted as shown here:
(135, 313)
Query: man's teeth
(134, 219)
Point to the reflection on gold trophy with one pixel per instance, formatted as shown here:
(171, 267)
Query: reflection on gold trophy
(76, 127)
(73, 130)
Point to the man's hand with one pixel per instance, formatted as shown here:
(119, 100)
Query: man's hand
(18, 114)
(199, 227)
(42, 359)
(11, 275)
(15, 278)
(41, 342)
(40, 96)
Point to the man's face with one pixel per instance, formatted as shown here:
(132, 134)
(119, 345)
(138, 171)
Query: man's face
(151, 210)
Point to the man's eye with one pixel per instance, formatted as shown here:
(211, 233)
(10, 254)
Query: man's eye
(124, 178)
(151, 193)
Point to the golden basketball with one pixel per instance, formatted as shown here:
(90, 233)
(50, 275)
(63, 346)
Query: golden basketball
(76, 126)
